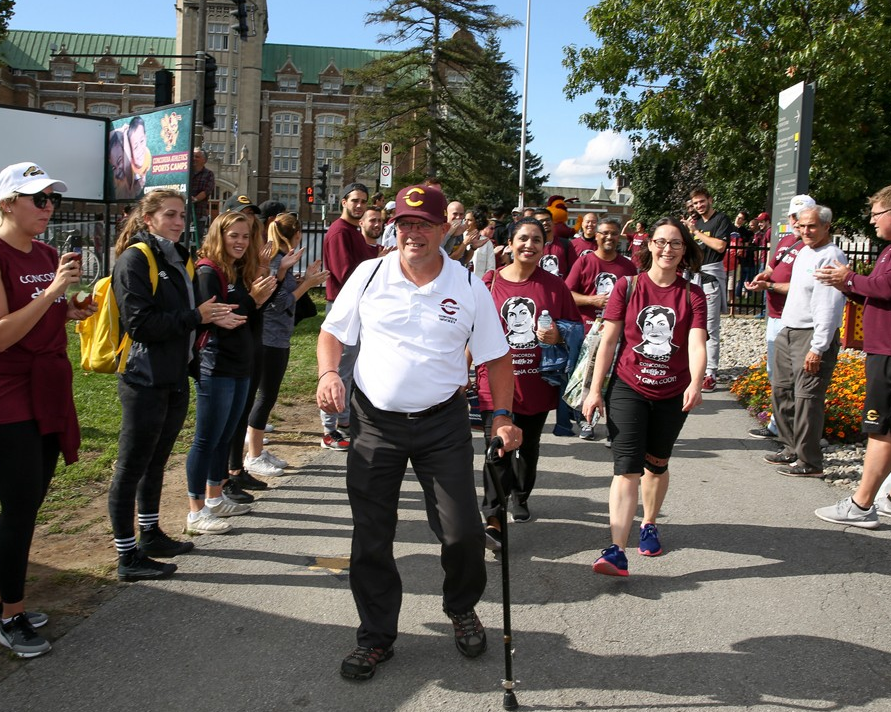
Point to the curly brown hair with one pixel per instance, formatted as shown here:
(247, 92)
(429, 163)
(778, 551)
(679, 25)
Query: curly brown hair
(214, 248)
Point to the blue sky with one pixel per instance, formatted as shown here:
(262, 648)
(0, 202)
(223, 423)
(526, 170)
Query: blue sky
(573, 155)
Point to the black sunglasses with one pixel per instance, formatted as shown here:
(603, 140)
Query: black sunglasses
(41, 198)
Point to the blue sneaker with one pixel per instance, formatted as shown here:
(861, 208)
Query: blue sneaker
(612, 562)
(649, 541)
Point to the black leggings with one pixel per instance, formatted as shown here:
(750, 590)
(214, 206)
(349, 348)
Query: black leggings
(29, 463)
(273, 363)
(236, 444)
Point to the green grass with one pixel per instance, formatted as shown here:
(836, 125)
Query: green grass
(99, 414)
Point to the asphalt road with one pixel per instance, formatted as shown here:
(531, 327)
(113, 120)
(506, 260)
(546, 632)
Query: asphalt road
(756, 604)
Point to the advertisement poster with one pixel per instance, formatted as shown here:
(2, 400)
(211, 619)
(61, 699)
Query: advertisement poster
(149, 151)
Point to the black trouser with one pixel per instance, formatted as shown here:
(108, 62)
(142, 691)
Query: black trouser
(273, 363)
(236, 444)
(151, 420)
(517, 473)
(29, 461)
(440, 449)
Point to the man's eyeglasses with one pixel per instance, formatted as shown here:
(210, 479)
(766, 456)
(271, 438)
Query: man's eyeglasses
(608, 234)
(41, 198)
(420, 226)
(674, 245)
(879, 214)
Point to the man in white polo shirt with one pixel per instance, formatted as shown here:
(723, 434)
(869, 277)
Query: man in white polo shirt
(414, 311)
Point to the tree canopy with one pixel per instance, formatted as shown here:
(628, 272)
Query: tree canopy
(688, 76)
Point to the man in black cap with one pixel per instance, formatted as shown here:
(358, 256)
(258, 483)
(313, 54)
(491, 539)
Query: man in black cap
(414, 311)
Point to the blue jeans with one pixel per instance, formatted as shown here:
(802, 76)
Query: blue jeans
(218, 406)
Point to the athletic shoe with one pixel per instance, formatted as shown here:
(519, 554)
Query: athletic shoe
(883, 505)
(609, 442)
(156, 543)
(361, 663)
(206, 523)
(228, 508)
(762, 434)
(799, 469)
(709, 384)
(612, 562)
(20, 637)
(649, 541)
(562, 432)
(470, 636)
(233, 491)
(133, 565)
(37, 620)
(781, 458)
(261, 466)
(335, 441)
(520, 512)
(493, 533)
(269, 428)
(846, 512)
(587, 432)
(273, 460)
(247, 481)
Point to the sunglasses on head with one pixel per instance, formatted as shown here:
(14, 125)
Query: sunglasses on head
(41, 198)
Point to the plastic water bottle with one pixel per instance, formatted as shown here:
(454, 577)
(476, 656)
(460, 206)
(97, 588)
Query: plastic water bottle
(545, 321)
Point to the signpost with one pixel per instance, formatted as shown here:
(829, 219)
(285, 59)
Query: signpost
(793, 153)
(386, 177)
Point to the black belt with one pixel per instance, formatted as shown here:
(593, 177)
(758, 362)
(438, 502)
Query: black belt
(433, 408)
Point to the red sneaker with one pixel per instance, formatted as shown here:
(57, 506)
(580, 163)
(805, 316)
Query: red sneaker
(335, 441)
(709, 384)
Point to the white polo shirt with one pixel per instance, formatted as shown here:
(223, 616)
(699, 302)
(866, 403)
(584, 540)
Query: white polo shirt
(413, 338)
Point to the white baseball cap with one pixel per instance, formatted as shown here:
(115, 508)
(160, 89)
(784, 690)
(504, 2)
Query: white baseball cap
(799, 203)
(27, 179)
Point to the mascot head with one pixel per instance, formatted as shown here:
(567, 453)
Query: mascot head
(557, 206)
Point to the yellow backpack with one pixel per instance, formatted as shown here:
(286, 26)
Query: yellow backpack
(102, 347)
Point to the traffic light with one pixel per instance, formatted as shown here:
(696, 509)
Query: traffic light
(210, 87)
(163, 87)
(323, 177)
(240, 13)
(310, 195)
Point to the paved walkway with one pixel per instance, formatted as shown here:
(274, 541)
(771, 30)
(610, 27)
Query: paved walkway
(756, 604)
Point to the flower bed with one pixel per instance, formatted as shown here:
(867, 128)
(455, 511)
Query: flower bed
(844, 399)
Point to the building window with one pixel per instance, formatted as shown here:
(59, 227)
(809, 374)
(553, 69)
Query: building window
(455, 81)
(147, 76)
(222, 80)
(373, 89)
(217, 37)
(326, 125)
(63, 73)
(287, 193)
(287, 83)
(332, 85)
(286, 124)
(107, 75)
(103, 110)
(286, 160)
(333, 157)
(234, 81)
(221, 113)
(59, 106)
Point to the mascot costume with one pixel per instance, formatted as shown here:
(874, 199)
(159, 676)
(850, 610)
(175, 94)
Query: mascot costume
(557, 206)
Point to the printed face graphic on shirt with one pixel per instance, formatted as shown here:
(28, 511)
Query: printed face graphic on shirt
(656, 325)
(604, 283)
(550, 263)
(519, 315)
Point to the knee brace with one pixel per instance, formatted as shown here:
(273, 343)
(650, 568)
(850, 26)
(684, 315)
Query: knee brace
(654, 468)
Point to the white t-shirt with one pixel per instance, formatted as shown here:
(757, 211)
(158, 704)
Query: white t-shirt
(413, 338)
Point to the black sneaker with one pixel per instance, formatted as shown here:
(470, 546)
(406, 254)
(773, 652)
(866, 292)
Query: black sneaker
(470, 636)
(20, 637)
(361, 663)
(520, 512)
(136, 566)
(234, 492)
(247, 481)
(156, 543)
(781, 458)
(762, 434)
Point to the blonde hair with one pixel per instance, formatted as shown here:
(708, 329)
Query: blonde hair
(149, 205)
(214, 248)
(282, 230)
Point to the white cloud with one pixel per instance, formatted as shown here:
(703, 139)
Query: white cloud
(589, 169)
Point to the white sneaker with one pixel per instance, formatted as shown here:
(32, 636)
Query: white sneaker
(227, 508)
(206, 523)
(261, 466)
(273, 460)
(883, 505)
(269, 427)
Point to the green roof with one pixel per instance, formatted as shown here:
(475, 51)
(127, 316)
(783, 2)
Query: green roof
(30, 50)
(312, 61)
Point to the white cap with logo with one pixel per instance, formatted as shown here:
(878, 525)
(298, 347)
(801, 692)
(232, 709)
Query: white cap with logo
(27, 179)
(799, 203)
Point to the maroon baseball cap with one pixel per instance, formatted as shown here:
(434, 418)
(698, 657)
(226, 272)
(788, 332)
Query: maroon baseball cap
(423, 202)
(763, 216)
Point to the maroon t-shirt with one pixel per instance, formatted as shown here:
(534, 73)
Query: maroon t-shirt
(520, 305)
(25, 277)
(781, 263)
(557, 257)
(653, 356)
(581, 246)
(343, 249)
(591, 275)
(877, 309)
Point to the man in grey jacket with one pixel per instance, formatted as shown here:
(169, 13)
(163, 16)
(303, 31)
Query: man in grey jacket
(806, 349)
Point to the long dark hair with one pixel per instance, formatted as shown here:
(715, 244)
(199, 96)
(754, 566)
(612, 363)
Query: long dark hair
(692, 257)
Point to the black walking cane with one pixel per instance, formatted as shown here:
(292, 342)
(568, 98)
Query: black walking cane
(510, 699)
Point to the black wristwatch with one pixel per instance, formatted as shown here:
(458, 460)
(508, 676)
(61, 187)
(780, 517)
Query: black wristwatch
(502, 411)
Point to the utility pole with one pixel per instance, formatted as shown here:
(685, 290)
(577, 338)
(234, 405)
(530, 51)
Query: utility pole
(200, 52)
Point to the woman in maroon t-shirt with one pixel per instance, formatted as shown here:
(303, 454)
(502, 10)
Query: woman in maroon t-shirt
(658, 324)
(522, 290)
(37, 416)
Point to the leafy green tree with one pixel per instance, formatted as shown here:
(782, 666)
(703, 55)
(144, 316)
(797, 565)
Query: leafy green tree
(423, 111)
(6, 13)
(703, 76)
(493, 176)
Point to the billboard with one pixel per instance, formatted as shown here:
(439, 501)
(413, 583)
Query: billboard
(149, 151)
